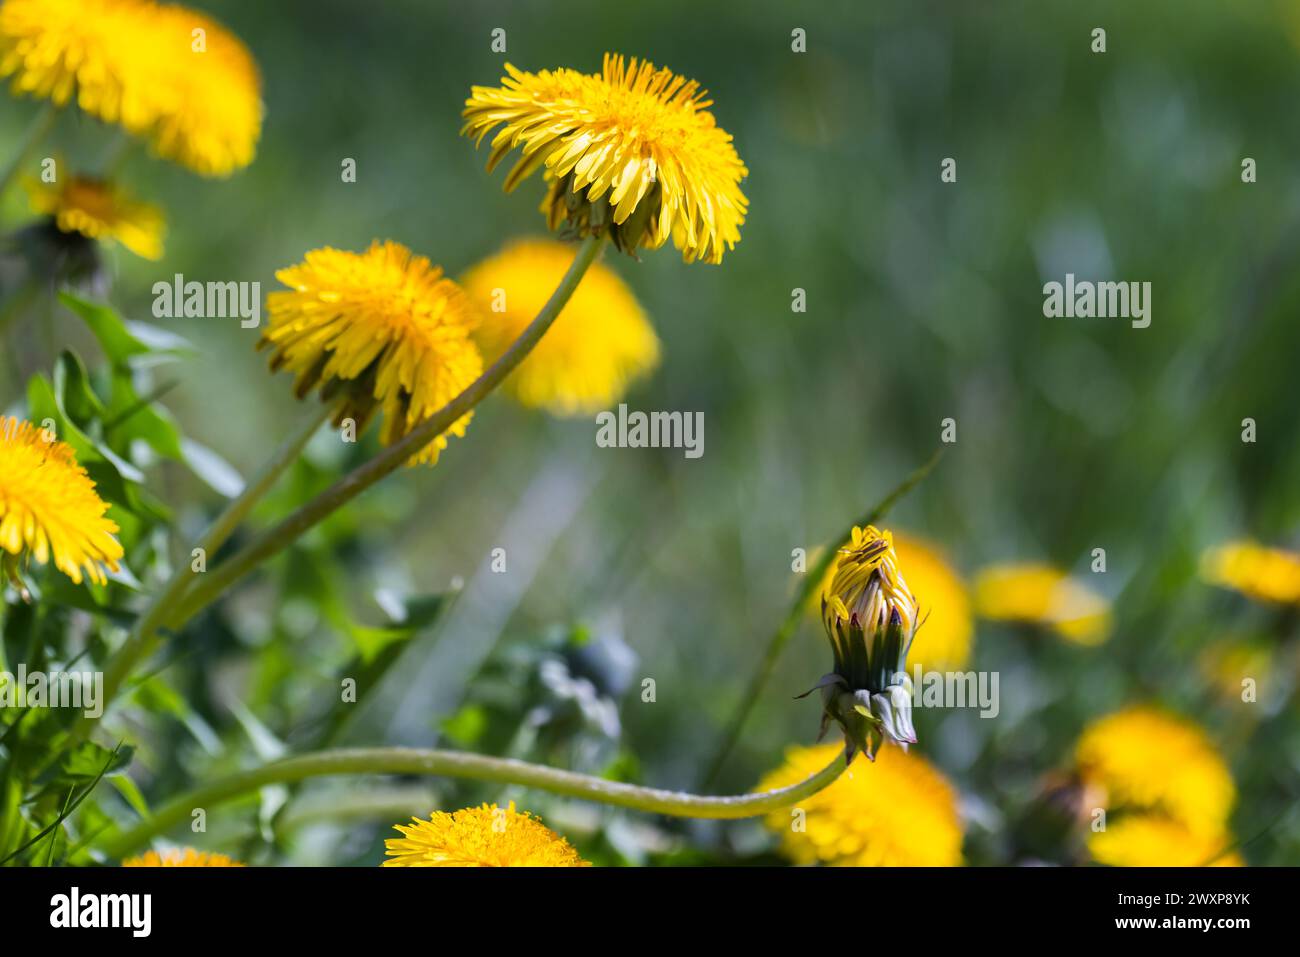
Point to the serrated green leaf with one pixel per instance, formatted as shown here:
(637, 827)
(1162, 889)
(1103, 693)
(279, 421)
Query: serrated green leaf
(89, 760)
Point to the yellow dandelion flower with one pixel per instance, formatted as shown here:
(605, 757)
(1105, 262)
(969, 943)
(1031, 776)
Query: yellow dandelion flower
(181, 857)
(96, 51)
(1151, 840)
(160, 71)
(1042, 595)
(379, 330)
(633, 150)
(486, 836)
(99, 210)
(1266, 574)
(943, 641)
(48, 506)
(1145, 759)
(600, 343)
(898, 812)
(212, 117)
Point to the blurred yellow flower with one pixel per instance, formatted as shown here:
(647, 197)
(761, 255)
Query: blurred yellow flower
(898, 812)
(99, 210)
(1145, 759)
(600, 343)
(1152, 840)
(161, 71)
(1042, 595)
(632, 150)
(48, 506)
(181, 857)
(383, 329)
(486, 836)
(212, 116)
(95, 50)
(1266, 574)
(1228, 665)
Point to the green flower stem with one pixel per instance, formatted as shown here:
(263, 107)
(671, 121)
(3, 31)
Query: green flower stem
(35, 132)
(275, 540)
(464, 765)
(144, 637)
(776, 644)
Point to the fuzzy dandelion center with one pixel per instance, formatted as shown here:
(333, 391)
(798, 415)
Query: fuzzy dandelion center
(48, 505)
(382, 330)
(485, 836)
(632, 151)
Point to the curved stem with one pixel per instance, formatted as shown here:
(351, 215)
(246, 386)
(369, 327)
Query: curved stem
(144, 636)
(776, 644)
(391, 458)
(143, 639)
(35, 132)
(466, 765)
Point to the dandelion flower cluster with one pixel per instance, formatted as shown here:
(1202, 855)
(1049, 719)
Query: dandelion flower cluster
(1259, 572)
(898, 812)
(181, 857)
(160, 71)
(485, 836)
(632, 150)
(49, 507)
(1042, 595)
(1161, 780)
(99, 210)
(379, 330)
(599, 344)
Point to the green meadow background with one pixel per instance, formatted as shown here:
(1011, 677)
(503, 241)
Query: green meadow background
(924, 301)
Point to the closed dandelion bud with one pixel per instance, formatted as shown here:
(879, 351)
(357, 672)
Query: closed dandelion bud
(870, 617)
